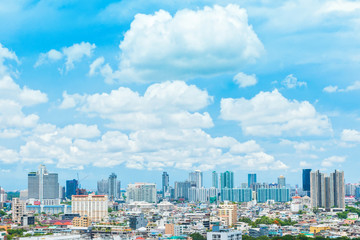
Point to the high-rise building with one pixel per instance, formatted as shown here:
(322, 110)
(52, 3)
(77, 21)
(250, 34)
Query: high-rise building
(327, 191)
(276, 194)
(306, 180)
(228, 213)
(165, 184)
(103, 187)
(43, 186)
(71, 186)
(227, 179)
(93, 206)
(141, 192)
(251, 180)
(196, 179)
(215, 179)
(18, 209)
(113, 187)
(281, 181)
(3, 195)
(182, 190)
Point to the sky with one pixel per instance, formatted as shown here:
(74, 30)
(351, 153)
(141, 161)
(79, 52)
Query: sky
(140, 87)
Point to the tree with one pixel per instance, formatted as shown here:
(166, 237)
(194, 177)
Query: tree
(197, 236)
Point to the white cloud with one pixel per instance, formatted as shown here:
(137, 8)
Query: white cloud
(330, 161)
(13, 99)
(8, 156)
(291, 81)
(298, 146)
(352, 87)
(304, 164)
(271, 114)
(162, 105)
(244, 80)
(330, 89)
(350, 135)
(72, 54)
(189, 44)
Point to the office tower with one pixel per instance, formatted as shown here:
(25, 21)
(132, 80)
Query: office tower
(62, 192)
(196, 179)
(327, 191)
(165, 184)
(18, 209)
(227, 179)
(43, 186)
(251, 180)
(228, 213)
(113, 187)
(103, 187)
(182, 190)
(350, 189)
(141, 192)
(215, 179)
(3, 195)
(281, 181)
(93, 206)
(71, 186)
(306, 179)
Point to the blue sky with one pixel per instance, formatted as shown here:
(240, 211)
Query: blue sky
(137, 87)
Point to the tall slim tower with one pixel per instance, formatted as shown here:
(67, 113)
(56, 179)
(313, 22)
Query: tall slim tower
(196, 179)
(227, 179)
(251, 180)
(327, 191)
(113, 185)
(281, 181)
(215, 179)
(306, 179)
(165, 183)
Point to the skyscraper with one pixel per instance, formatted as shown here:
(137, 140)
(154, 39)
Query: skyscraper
(327, 191)
(182, 190)
(306, 179)
(251, 180)
(196, 179)
(215, 179)
(113, 187)
(43, 186)
(227, 179)
(71, 186)
(281, 181)
(165, 183)
(103, 187)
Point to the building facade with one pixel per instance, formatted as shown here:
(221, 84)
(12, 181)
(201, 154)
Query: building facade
(93, 206)
(141, 192)
(43, 185)
(327, 191)
(227, 179)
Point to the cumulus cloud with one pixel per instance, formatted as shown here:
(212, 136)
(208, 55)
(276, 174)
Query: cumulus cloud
(330, 89)
(144, 149)
(352, 87)
(72, 54)
(13, 99)
(298, 146)
(271, 114)
(350, 135)
(244, 80)
(189, 44)
(291, 81)
(162, 105)
(330, 161)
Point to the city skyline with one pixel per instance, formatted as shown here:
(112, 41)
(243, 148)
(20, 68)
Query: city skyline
(97, 89)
